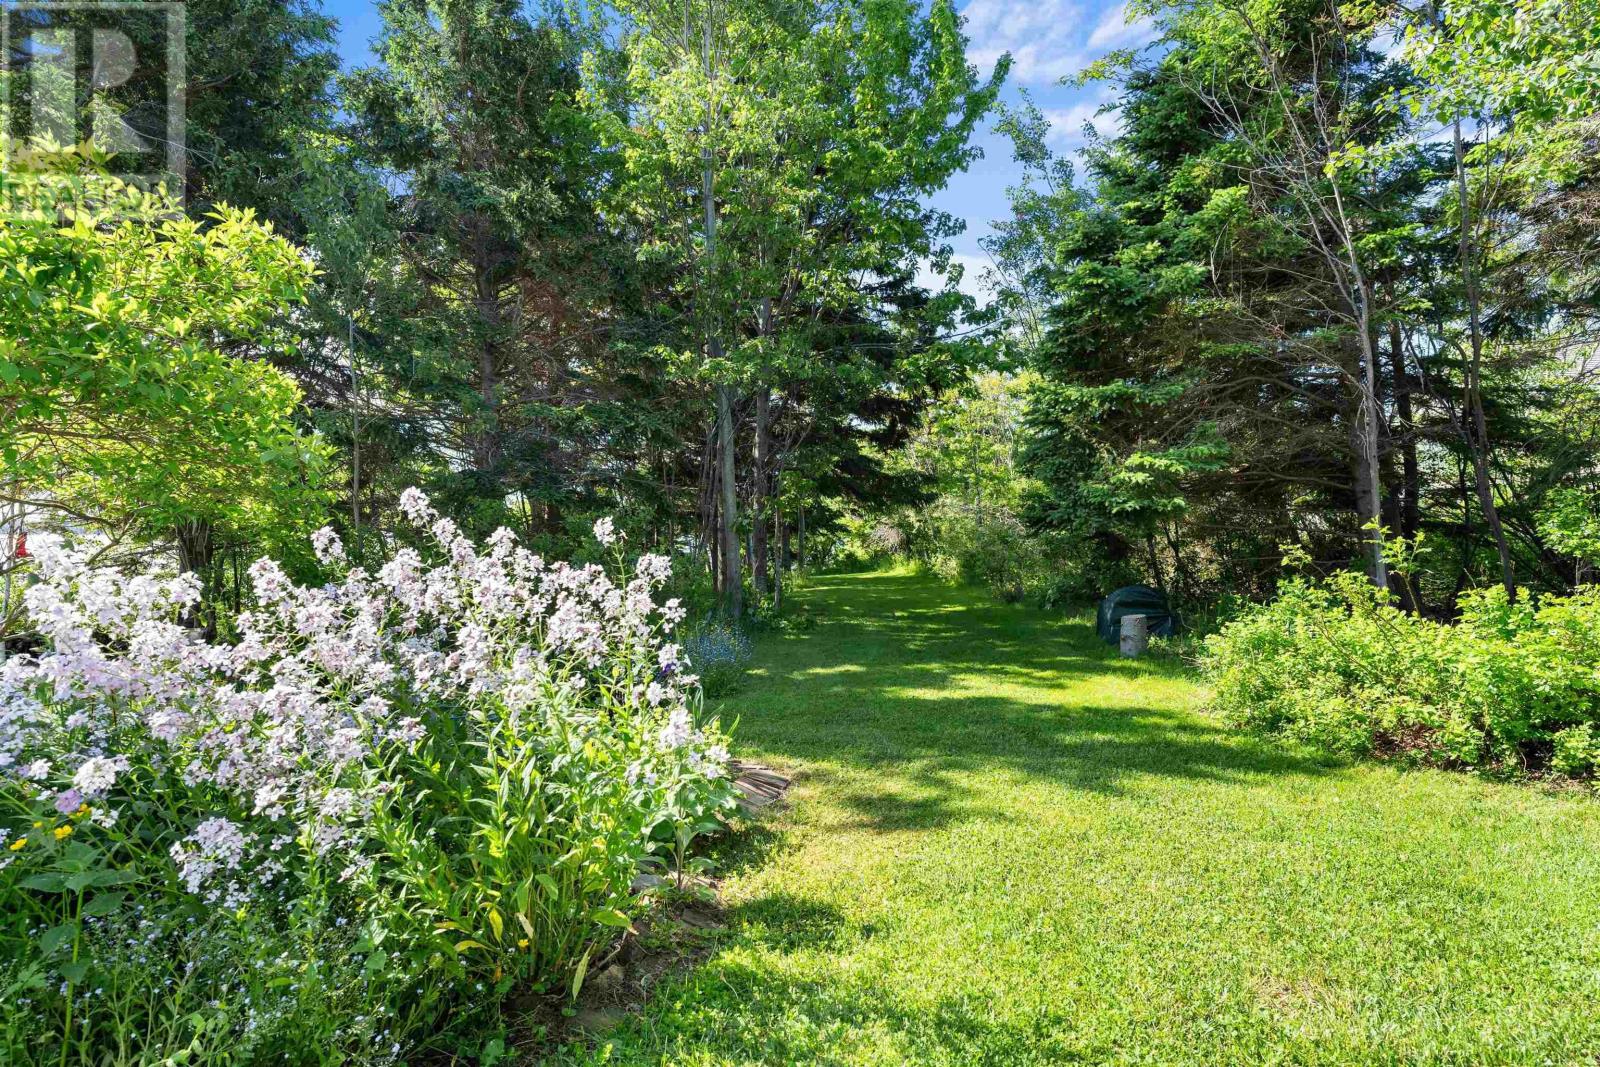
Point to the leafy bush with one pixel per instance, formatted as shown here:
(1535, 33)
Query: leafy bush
(1570, 522)
(861, 543)
(989, 548)
(1080, 570)
(721, 653)
(137, 416)
(1335, 663)
(399, 793)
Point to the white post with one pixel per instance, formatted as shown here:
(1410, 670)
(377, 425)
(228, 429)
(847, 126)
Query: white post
(1135, 635)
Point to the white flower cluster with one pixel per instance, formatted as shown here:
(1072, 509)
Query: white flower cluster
(292, 728)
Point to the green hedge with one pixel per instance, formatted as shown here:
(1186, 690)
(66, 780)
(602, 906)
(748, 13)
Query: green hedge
(1509, 686)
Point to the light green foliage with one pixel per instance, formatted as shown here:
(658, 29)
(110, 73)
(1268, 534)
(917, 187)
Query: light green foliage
(1531, 65)
(967, 443)
(969, 448)
(1576, 749)
(121, 400)
(966, 448)
(818, 128)
(988, 548)
(1335, 664)
(1008, 848)
(1571, 524)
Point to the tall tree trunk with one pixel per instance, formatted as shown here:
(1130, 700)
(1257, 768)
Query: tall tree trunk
(711, 528)
(759, 491)
(1369, 502)
(1479, 433)
(706, 536)
(1402, 503)
(784, 555)
(1155, 562)
(483, 451)
(782, 536)
(355, 441)
(732, 577)
(1370, 492)
(1468, 536)
(728, 532)
(1410, 474)
(195, 553)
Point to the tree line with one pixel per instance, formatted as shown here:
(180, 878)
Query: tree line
(656, 260)
(1329, 282)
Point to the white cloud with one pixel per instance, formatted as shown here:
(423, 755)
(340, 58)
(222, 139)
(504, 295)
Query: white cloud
(1048, 39)
(1066, 124)
(1115, 31)
(1044, 37)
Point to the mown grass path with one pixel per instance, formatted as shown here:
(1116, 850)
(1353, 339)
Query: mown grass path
(1008, 847)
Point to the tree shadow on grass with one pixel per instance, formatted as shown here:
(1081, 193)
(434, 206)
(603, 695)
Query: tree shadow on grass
(756, 1008)
(750, 846)
(933, 686)
(787, 922)
(916, 788)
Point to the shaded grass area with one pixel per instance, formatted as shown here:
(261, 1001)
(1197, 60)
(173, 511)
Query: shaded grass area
(1006, 846)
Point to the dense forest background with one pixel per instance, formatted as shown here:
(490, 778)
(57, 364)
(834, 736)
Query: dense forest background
(1330, 284)
(1333, 282)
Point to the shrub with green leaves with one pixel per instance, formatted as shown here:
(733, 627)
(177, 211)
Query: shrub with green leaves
(137, 415)
(1508, 686)
(984, 547)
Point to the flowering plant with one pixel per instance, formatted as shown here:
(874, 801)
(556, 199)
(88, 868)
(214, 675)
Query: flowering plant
(461, 760)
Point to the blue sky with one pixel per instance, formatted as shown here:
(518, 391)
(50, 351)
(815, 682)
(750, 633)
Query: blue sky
(1048, 40)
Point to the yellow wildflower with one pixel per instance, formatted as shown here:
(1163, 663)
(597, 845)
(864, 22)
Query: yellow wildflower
(18, 843)
(63, 830)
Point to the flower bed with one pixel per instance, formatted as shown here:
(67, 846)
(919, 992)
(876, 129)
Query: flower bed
(402, 793)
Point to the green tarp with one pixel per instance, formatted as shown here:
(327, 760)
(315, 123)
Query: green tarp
(1135, 600)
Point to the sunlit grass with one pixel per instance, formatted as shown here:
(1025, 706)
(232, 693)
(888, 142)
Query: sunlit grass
(1008, 847)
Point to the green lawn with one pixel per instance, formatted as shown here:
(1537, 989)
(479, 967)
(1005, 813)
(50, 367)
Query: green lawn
(1008, 847)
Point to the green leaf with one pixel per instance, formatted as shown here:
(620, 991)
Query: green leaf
(48, 882)
(104, 904)
(56, 936)
(579, 974)
(103, 878)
